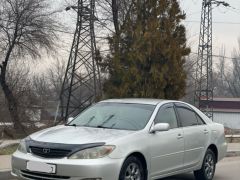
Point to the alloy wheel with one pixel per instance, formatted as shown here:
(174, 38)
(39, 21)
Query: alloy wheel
(133, 172)
(209, 166)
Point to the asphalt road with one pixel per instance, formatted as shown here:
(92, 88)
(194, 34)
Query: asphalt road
(227, 169)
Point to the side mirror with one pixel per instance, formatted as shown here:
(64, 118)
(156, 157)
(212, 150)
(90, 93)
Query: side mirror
(70, 119)
(160, 127)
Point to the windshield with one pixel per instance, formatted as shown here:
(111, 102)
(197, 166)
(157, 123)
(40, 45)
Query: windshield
(115, 116)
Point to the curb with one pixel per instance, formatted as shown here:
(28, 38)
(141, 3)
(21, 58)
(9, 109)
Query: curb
(5, 170)
(233, 154)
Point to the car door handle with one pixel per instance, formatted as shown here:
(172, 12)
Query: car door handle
(205, 131)
(180, 136)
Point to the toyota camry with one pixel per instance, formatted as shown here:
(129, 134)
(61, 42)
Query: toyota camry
(124, 139)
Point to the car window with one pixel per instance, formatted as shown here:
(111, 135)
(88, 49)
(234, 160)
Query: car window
(115, 116)
(166, 114)
(186, 115)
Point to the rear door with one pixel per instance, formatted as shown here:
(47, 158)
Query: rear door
(167, 148)
(196, 134)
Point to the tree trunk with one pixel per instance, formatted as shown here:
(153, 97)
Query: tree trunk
(116, 25)
(115, 15)
(13, 109)
(11, 101)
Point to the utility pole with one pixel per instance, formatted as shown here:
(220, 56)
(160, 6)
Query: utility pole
(82, 84)
(204, 72)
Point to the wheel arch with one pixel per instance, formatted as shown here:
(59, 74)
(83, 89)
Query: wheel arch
(214, 149)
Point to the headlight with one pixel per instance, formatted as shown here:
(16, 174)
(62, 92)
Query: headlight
(93, 153)
(22, 146)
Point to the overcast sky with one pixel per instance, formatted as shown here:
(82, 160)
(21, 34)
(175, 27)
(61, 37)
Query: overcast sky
(226, 27)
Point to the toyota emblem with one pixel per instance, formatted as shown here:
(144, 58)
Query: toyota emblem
(46, 151)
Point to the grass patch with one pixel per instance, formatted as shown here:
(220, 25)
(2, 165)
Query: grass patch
(9, 149)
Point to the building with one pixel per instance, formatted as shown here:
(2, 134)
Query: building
(226, 111)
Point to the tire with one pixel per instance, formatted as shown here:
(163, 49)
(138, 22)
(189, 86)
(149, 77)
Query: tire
(132, 169)
(208, 167)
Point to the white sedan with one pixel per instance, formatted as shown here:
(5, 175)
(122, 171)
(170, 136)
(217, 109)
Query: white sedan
(125, 139)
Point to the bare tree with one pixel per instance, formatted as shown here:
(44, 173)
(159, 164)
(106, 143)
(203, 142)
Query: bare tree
(41, 89)
(26, 27)
(219, 83)
(55, 75)
(190, 82)
(19, 82)
(115, 12)
(233, 78)
(227, 78)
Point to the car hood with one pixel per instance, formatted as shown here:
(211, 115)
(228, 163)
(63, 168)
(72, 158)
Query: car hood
(78, 135)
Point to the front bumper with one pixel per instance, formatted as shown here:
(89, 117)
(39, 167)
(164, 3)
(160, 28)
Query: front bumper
(86, 169)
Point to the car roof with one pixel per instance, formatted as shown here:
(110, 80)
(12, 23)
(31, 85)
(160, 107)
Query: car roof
(136, 101)
(155, 102)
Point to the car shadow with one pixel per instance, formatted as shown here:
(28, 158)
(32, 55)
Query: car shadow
(180, 177)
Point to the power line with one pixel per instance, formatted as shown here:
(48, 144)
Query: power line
(216, 22)
(218, 56)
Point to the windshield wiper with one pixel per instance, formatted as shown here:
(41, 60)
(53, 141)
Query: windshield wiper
(106, 121)
(74, 125)
(89, 121)
(104, 127)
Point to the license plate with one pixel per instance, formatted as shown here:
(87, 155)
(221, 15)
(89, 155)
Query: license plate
(41, 167)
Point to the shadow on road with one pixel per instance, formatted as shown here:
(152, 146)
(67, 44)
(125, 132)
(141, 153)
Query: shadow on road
(181, 177)
(7, 176)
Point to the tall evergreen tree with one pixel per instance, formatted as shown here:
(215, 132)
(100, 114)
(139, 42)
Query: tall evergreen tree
(150, 52)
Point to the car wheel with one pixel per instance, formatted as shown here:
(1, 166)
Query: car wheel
(208, 167)
(132, 169)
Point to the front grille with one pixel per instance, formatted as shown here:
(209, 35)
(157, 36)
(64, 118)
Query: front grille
(49, 152)
(41, 176)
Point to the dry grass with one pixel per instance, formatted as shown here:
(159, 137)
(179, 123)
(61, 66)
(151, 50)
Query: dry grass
(9, 149)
